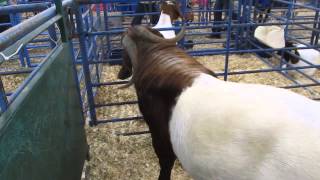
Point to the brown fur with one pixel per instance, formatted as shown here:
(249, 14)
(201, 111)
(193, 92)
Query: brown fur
(162, 72)
(174, 11)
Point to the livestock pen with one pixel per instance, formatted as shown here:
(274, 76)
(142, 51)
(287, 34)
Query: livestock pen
(120, 146)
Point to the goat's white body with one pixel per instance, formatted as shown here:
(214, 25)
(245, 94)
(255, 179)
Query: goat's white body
(230, 131)
(310, 55)
(165, 22)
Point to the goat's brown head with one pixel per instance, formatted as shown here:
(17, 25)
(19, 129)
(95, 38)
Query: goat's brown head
(173, 9)
(137, 35)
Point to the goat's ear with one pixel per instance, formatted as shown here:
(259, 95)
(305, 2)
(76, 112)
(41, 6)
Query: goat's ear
(295, 60)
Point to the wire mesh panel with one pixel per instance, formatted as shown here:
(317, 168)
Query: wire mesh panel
(41, 124)
(45, 141)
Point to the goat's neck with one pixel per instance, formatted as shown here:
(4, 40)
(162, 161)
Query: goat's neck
(164, 21)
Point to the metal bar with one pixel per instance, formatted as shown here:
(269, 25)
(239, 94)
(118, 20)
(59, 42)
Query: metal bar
(76, 77)
(315, 36)
(62, 21)
(300, 86)
(116, 104)
(25, 82)
(134, 133)
(114, 120)
(109, 83)
(298, 5)
(226, 65)
(85, 65)
(15, 33)
(24, 8)
(6, 73)
(3, 98)
(29, 36)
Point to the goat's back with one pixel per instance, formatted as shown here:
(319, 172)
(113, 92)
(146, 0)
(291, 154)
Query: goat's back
(222, 130)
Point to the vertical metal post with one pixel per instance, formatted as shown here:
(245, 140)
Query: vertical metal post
(248, 29)
(239, 31)
(26, 55)
(209, 9)
(289, 14)
(91, 16)
(243, 19)
(14, 21)
(98, 12)
(183, 9)
(53, 35)
(62, 21)
(105, 14)
(3, 98)
(226, 65)
(86, 19)
(75, 74)
(24, 51)
(85, 64)
(316, 25)
(95, 48)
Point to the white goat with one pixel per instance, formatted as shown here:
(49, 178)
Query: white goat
(310, 55)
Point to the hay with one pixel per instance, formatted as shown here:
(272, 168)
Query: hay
(121, 157)
(11, 82)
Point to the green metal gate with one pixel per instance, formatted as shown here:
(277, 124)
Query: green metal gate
(42, 133)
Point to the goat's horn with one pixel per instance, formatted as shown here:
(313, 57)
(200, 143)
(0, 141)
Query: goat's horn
(145, 33)
(130, 46)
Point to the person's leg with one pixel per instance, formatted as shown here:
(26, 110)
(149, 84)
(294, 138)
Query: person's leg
(138, 19)
(218, 6)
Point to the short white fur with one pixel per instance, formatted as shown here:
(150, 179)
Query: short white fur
(310, 55)
(231, 131)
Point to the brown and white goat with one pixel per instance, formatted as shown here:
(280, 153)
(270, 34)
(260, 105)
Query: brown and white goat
(170, 11)
(217, 129)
